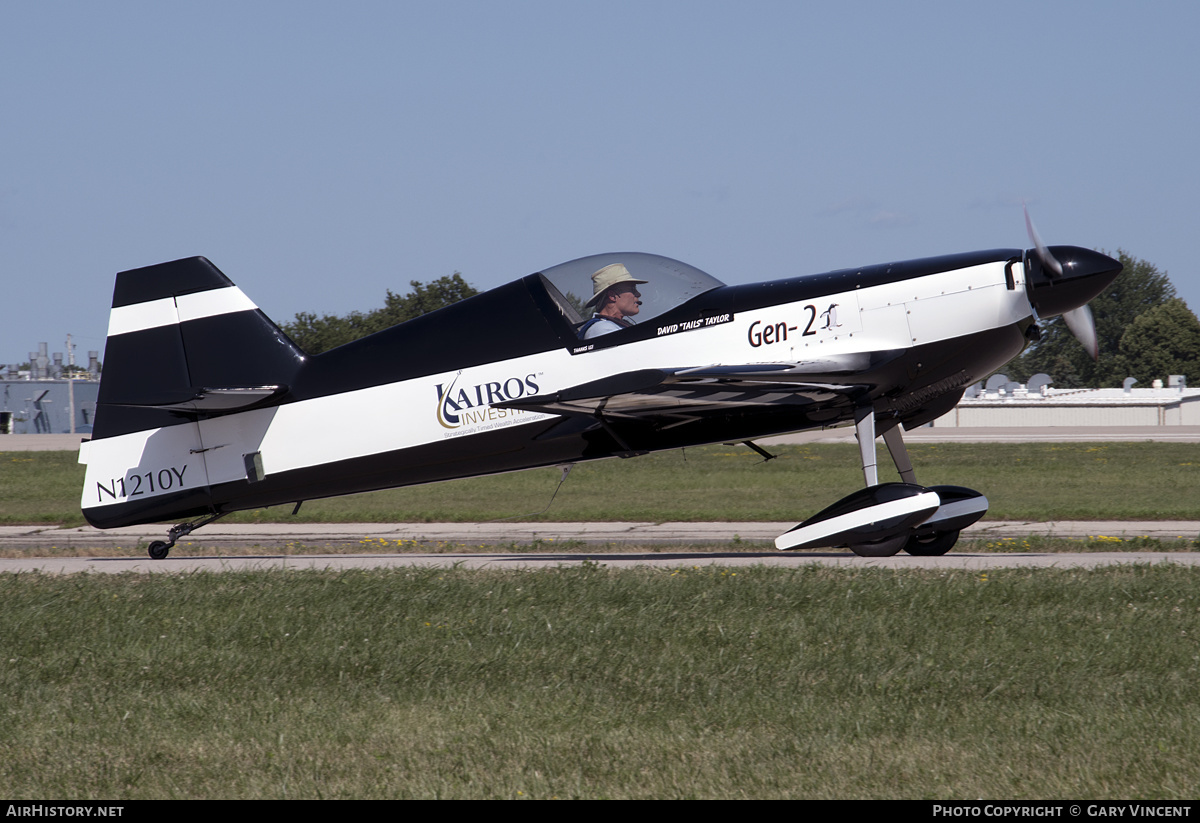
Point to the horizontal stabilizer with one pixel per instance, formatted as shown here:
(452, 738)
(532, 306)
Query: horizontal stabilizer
(213, 401)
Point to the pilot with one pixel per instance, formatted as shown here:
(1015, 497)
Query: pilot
(615, 299)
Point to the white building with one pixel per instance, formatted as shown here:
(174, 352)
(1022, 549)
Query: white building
(1003, 403)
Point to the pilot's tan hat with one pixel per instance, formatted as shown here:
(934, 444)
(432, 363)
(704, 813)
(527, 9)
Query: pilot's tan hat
(610, 275)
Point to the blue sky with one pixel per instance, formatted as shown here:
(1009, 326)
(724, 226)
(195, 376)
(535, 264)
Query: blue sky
(322, 153)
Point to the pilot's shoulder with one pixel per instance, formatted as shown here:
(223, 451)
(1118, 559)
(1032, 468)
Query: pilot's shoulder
(597, 326)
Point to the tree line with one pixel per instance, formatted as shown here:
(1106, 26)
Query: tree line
(318, 334)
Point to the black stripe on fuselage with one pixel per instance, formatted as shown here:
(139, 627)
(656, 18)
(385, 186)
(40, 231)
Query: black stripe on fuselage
(175, 506)
(502, 324)
(809, 287)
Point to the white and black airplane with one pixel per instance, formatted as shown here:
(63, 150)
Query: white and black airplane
(206, 407)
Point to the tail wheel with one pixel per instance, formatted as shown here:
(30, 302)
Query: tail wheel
(931, 545)
(886, 547)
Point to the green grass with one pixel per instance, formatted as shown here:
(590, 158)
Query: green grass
(589, 682)
(1107, 481)
(1092, 543)
(40, 487)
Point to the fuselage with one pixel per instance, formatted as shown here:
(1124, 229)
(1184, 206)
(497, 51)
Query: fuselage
(422, 401)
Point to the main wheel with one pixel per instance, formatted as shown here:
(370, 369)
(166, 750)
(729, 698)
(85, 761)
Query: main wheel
(931, 545)
(159, 550)
(886, 547)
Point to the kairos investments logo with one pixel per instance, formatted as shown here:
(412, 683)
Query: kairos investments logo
(462, 406)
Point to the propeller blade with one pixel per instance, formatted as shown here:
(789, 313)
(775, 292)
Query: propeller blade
(1044, 253)
(1083, 326)
(1079, 320)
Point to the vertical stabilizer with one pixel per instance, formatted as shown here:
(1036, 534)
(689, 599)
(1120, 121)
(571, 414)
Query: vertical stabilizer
(178, 334)
(184, 345)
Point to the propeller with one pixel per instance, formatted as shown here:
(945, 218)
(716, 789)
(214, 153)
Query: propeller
(1083, 326)
(1079, 319)
(1044, 253)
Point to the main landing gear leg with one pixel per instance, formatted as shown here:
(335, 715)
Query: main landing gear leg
(864, 430)
(895, 444)
(158, 550)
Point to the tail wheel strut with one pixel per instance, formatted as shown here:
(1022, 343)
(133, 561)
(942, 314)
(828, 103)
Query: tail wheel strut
(158, 550)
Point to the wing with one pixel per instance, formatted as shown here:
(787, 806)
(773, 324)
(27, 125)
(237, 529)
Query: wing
(815, 392)
(658, 393)
(735, 401)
